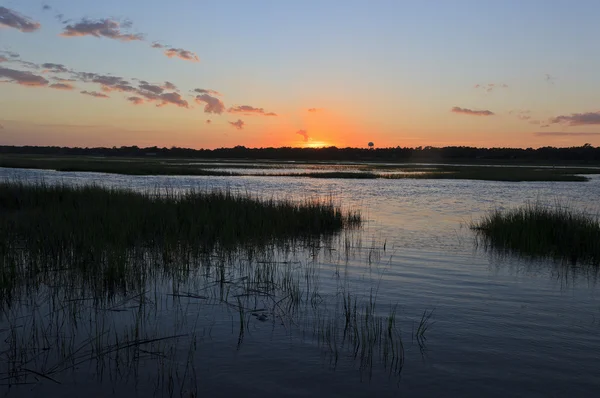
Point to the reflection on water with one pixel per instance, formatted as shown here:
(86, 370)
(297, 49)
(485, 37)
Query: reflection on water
(502, 326)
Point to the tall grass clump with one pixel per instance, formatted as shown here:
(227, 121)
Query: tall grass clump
(540, 231)
(111, 235)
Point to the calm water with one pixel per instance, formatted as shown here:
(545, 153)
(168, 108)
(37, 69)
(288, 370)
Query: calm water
(502, 326)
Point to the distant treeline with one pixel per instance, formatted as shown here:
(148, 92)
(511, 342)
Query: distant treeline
(581, 154)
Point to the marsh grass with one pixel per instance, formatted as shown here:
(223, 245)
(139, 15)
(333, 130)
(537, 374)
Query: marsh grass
(126, 287)
(142, 166)
(540, 231)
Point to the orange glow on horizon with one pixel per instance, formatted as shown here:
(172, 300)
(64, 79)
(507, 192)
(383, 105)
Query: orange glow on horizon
(317, 144)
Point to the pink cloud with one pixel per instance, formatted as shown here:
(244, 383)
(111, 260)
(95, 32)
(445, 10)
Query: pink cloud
(304, 134)
(239, 124)
(135, 100)
(13, 19)
(182, 54)
(577, 119)
(95, 94)
(100, 28)
(466, 111)
(23, 78)
(62, 86)
(213, 105)
(249, 110)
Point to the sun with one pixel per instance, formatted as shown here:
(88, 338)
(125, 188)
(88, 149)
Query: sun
(316, 144)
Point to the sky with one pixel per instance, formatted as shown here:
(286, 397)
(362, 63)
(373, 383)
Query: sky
(211, 74)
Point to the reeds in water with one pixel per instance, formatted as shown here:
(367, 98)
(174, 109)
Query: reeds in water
(540, 231)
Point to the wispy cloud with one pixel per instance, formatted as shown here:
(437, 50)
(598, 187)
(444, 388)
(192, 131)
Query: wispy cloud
(100, 28)
(521, 114)
(313, 109)
(250, 110)
(3, 58)
(46, 7)
(10, 54)
(55, 68)
(564, 133)
(490, 86)
(206, 91)
(62, 86)
(577, 119)
(135, 100)
(157, 45)
(23, 78)
(212, 104)
(239, 124)
(95, 94)
(186, 55)
(13, 19)
(549, 78)
(208, 121)
(304, 134)
(466, 111)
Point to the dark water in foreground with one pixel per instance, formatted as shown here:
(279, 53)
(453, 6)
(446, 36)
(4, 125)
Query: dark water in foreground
(501, 326)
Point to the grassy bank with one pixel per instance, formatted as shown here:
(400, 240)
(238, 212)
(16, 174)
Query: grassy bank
(546, 232)
(102, 165)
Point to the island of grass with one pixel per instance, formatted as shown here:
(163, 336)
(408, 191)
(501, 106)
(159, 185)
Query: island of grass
(331, 170)
(107, 235)
(539, 231)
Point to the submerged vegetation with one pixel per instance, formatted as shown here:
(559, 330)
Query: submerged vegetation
(126, 287)
(546, 232)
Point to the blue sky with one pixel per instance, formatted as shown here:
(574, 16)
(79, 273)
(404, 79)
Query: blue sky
(384, 71)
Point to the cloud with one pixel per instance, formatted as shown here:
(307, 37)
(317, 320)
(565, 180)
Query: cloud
(95, 94)
(521, 114)
(46, 7)
(3, 59)
(249, 110)
(62, 86)
(466, 111)
(549, 78)
(169, 86)
(239, 124)
(152, 88)
(564, 133)
(1, 127)
(13, 19)
(304, 134)
(23, 78)
(172, 98)
(313, 109)
(55, 68)
(208, 121)
(100, 28)
(206, 91)
(157, 45)
(213, 105)
(11, 54)
(490, 86)
(534, 122)
(181, 53)
(135, 100)
(577, 119)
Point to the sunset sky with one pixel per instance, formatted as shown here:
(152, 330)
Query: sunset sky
(208, 74)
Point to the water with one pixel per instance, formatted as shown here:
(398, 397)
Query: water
(502, 326)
